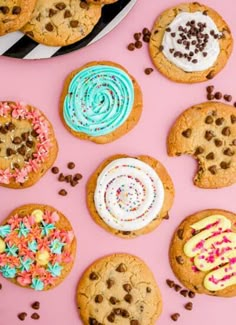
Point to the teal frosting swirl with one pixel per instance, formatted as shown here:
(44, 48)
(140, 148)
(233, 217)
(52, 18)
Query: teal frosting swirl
(37, 284)
(55, 269)
(8, 272)
(99, 100)
(5, 230)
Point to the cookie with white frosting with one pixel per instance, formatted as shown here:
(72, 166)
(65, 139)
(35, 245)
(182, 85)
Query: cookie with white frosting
(190, 43)
(119, 289)
(129, 196)
(100, 102)
(37, 247)
(203, 253)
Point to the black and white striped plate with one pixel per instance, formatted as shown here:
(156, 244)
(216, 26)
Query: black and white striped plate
(18, 45)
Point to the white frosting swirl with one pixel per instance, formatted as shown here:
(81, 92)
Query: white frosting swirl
(212, 47)
(129, 194)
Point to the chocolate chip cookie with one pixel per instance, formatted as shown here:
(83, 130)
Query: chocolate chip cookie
(119, 289)
(14, 14)
(190, 43)
(28, 146)
(60, 23)
(202, 253)
(208, 133)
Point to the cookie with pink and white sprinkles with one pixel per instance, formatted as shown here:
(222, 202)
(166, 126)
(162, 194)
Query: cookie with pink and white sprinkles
(37, 247)
(28, 147)
(130, 196)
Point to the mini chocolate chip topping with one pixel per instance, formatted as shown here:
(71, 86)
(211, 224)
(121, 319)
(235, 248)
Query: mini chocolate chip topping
(226, 131)
(233, 119)
(191, 294)
(128, 298)
(4, 9)
(170, 283)
(55, 170)
(36, 305)
(117, 311)
(180, 259)
(227, 98)
(218, 95)
(184, 292)
(177, 287)
(228, 152)
(22, 316)
(137, 36)
(131, 47)
(209, 135)
(198, 151)
(212, 169)
(210, 89)
(111, 317)
(189, 306)
(99, 299)
(209, 120)
(138, 44)
(110, 283)
(93, 276)
(71, 165)
(148, 289)
(148, 71)
(17, 140)
(35, 316)
(187, 133)
(219, 121)
(52, 12)
(74, 23)
(49, 27)
(67, 14)
(127, 287)
(175, 317)
(124, 313)
(16, 10)
(60, 5)
(62, 192)
(210, 156)
(121, 268)
(218, 142)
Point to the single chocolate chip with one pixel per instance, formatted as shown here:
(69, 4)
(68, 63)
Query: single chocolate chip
(210, 89)
(146, 38)
(22, 316)
(161, 48)
(126, 233)
(179, 259)
(175, 317)
(3, 130)
(22, 150)
(73, 183)
(166, 217)
(98, 299)
(60, 5)
(189, 306)
(218, 95)
(84, 5)
(226, 131)
(210, 156)
(29, 144)
(10, 126)
(138, 44)
(61, 178)
(209, 135)
(127, 287)
(16, 10)
(191, 294)
(125, 313)
(0, 286)
(134, 322)
(4, 9)
(170, 283)
(93, 321)
(117, 311)
(36, 305)
(210, 96)
(67, 14)
(224, 165)
(49, 27)
(198, 151)
(219, 121)
(204, 12)
(148, 289)
(212, 169)
(234, 142)
(25, 136)
(10, 152)
(209, 120)
(17, 140)
(146, 31)
(218, 142)
(148, 71)
(228, 152)
(68, 178)
(227, 98)
(210, 75)
(74, 23)
(110, 283)
(71, 165)
(77, 177)
(93, 276)
(177, 287)
(62, 192)
(187, 133)
(35, 316)
(52, 12)
(137, 36)
(121, 268)
(113, 300)
(55, 170)
(128, 298)
(16, 166)
(111, 317)
(131, 47)
(233, 119)
(184, 292)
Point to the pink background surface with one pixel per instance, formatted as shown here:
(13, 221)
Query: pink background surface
(40, 83)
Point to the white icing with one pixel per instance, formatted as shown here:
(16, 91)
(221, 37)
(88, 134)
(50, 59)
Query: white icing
(129, 194)
(212, 48)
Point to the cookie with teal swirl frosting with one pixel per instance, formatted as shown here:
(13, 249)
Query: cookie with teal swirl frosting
(100, 102)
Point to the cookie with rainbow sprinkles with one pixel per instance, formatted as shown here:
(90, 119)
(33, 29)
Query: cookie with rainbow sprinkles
(100, 102)
(37, 247)
(28, 147)
(203, 252)
(130, 196)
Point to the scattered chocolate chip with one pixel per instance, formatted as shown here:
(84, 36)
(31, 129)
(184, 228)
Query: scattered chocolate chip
(74, 23)
(17, 140)
(137, 36)
(177, 287)
(179, 259)
(226, 131)
(73, 183)
(60, 5)
(170, 283)
(218, 95)
(16, 10)
(148, 289)
(218, 142)
(49, 27)
(93, 276)
(61, 177)
(209, 135)
(68, 178)
(138, 44)
(175, 317)
(22, 316)
(127, 287)
(219, 121)
(146, 38)
(233, 119)
(36, 305)
(131, 47)
(210, 75)
(128, 298)
(187, 133)
(99, 299)
(113, 300)
(210, 89)
(110, 283)
(228, 152)
(189, 306)
(146, 31)
(125, 313)
(227, 98)
(111, 317)
(212, 169)
(35, 316)
(210, 156)
(121, 268)
(148, 71)
(210, 96)
(184, 292)
(191, 294)
(71, 165)
(198, 151)
(62, 192)
(224, 165)
(161, 48)
(55, 170)
(209, 120)
(77, 177)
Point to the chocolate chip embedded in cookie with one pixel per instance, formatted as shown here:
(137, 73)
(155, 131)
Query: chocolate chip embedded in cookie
(133, 298)
(15, 14)
(207, 250)
(60, 23)
(207, 132)
(130, 196)
(37, 247)
(190, 43)
(28, 147)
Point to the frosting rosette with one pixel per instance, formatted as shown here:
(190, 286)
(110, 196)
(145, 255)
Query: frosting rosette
(99, 100)
(129, 194)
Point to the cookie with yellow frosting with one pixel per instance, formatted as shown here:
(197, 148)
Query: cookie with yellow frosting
(130, 196)
(100, 102)
(203, 253)
(37, 247)
(190, 43)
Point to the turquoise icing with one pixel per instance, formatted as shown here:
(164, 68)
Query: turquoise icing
(8, 272)
(33, 246)
(46, 227)
(11, 250)
(55, 269)
(25, 264)
(99, 100)
(5, 230)
(56, 246)
(23, 230)
(37, 284)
